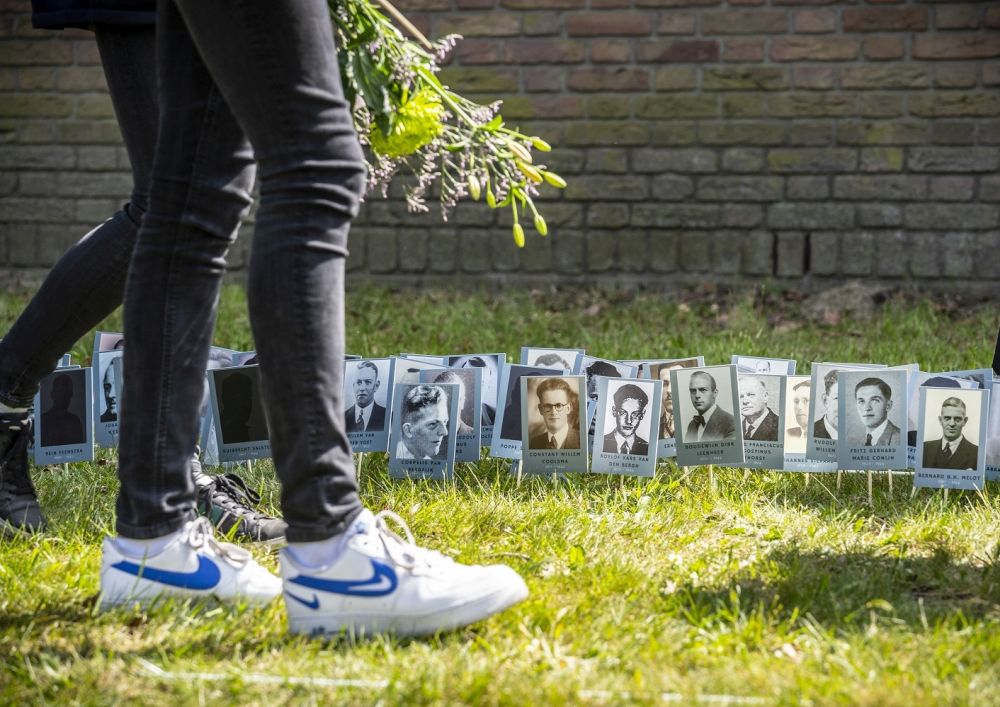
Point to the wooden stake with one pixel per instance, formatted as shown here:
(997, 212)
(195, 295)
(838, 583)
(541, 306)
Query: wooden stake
(913, 492)
(361, 460)
(890, 481)
(840, 474)
(520, 466)
(249, 466)
(869, 487)
(808, 476)
(946, 495)
(711, 477)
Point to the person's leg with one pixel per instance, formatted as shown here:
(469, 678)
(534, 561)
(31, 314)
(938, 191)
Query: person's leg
(202, 176)
(344, 569)
(277, 67)
(86, 284)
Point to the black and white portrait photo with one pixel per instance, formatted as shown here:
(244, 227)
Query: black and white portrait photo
(467, 383)
(490, 364)
(64, 417)
(947, 444)
(365, 388)
(761, 419)
(708, 431)
(661, 372)
(506, 442)
(593, 369)
(758, 400)
(238, 411)
(951, 437)
(63, 411)
(711, 418)
(629, 409)
(422, 435)
(107, 347)
(628, 426)
(872, 419)
(798, 392)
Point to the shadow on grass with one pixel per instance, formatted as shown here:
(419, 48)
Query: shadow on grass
(841, 590)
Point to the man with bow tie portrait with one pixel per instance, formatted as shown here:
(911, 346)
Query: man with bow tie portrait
(711, 423)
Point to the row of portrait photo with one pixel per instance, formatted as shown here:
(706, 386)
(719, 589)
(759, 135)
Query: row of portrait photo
(561, 410)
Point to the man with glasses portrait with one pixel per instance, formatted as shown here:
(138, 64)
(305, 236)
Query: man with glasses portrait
(557, 403)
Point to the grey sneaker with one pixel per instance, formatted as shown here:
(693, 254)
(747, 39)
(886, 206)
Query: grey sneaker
(19, 509)
(229, 503)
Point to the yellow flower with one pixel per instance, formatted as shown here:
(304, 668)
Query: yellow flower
(418, 121)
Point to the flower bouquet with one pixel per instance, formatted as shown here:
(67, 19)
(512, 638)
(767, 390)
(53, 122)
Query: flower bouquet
(413, 123)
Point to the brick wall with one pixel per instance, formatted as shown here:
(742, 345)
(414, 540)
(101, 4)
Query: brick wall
(790, 139)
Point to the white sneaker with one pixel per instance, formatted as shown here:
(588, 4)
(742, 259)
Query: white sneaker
(193, 565)
(381, 583)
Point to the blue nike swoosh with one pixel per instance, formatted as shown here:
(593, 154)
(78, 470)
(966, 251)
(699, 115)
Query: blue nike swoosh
(314, 604)
(205, 577)
(382, 582)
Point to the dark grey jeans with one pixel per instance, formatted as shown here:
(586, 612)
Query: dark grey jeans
(87, 282)
(235, 74)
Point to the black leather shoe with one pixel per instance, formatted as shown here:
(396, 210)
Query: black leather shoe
(19, 509)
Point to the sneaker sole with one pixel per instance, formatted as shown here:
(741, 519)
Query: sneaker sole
(362, 625)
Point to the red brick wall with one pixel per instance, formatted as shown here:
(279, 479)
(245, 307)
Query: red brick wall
(702, 139)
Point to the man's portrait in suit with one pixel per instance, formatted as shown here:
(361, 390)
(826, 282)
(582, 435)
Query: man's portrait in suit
(759, 421)
(800, 409)
(463, 379)
(62, 421)
(797, 395)
(668, 424)
(952, 450)
(873, 397)
(826, 426)
(110, 390)
(423, 423)
(558, 406)
(365, 415)
(488, 364)
(710, 423)
(628, 408)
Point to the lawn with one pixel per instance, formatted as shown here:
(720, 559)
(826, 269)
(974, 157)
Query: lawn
(759, 589)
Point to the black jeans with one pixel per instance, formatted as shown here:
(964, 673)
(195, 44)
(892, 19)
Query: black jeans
(87, 282)
(236, 73)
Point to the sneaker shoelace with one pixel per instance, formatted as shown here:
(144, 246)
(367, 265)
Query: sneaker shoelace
(231, 492)
(201, 534)
(404, 551)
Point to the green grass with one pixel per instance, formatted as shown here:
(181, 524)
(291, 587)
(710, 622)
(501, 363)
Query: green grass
(759, 587)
